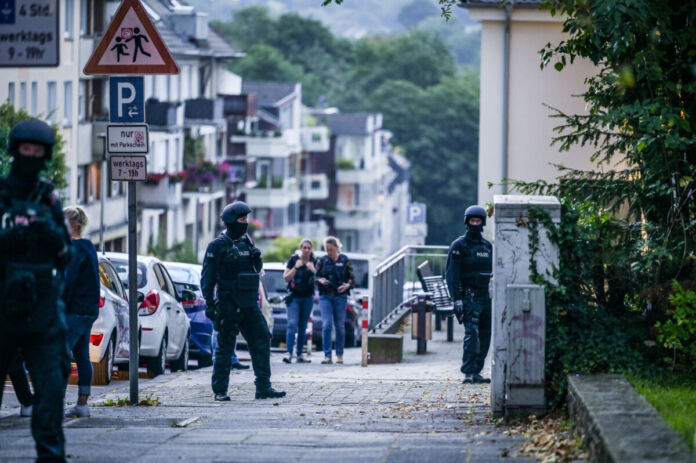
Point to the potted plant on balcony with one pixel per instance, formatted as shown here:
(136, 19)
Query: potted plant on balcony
(177, 177)
(345, 164)
(155, 179)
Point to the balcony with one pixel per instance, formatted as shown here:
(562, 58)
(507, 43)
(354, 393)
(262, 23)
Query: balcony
(239, 105)
(115, 217)
(279, 195)
(203, 109)
(315, 186)
(356, 176)
(164, 194)
(163, 113)
(355, 220)
(267, 145)
(315, 139)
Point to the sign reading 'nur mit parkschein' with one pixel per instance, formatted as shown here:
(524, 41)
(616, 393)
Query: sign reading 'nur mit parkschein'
(131, 138)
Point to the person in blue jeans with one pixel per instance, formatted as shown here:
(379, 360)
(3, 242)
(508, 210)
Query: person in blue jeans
(81, 297)
(335, 279)
(300, 277)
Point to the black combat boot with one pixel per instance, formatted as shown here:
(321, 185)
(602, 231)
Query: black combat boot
(480, 379)
(468, 378)
(221, 397)
(239, 366)
(267, 392)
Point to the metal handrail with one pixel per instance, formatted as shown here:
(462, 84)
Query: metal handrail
(403, 252)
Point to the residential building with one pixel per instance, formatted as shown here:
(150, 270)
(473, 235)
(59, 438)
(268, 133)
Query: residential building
(517, 97)
(270, 138)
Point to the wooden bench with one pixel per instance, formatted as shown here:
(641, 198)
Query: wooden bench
(437, 287)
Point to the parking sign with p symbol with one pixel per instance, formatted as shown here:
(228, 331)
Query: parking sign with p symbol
(127, 99)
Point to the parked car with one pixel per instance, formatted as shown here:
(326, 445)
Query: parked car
(165, 327)
(188, 277)
(109, 340)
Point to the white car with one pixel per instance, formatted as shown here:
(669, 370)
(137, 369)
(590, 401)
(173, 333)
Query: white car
(165, 328)
(110, 336)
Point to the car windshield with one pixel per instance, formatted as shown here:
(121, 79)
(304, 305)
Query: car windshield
(184, 275)
(121, 267)
(361, 271)
(274, 282)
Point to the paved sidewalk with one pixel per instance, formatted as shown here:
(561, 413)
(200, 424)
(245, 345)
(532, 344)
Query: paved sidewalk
(414, 411)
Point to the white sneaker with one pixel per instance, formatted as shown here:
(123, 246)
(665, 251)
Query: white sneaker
(287, 358)
(78, 411)
(25, 410)
(326, 360)
(339, 359)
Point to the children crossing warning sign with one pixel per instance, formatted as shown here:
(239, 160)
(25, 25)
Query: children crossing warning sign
(131, 45)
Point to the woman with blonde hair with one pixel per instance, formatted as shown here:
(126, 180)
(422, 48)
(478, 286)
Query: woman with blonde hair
(299, 274)
(81, 298)
(335, 279)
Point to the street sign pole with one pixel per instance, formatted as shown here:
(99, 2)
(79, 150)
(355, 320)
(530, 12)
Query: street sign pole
(134, 361)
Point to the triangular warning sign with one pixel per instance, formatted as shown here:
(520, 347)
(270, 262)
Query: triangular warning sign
(131, 45)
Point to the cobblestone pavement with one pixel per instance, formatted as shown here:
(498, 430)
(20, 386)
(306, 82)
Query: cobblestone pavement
(414, 411)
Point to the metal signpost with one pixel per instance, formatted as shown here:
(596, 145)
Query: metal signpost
(29, 33)
(130, 45)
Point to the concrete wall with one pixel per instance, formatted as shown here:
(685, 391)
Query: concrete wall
(530, 128)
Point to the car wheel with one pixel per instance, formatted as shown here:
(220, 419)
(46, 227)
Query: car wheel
(157, 365)
(103, 371)
(181, 364)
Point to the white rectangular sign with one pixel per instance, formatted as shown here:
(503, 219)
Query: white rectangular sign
(127, 138)
(29, 33)
(128, 168)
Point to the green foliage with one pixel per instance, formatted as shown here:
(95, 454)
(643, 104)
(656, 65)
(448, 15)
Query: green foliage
(282, 248)
(445, 6)
(179, 252)
(416, 11)
(345, 164)
(678, 331)
(263, 62)
(194, 150)
(56, 170)
(148, 401)
(674, 399)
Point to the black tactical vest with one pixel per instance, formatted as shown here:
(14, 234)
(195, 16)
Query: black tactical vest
(334, 271)
(476, 265)
(238, 279)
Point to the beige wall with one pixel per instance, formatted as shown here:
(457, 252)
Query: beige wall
(530, 153)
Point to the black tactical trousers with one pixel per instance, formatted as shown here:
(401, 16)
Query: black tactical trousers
(48, 364)
(255, 331)
(477, 335)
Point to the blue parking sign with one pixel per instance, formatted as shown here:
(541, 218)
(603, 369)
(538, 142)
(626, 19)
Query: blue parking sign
(416, 213)
(127, 99)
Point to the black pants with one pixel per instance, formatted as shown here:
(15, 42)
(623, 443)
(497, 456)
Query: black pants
(20, 382)
(255, 330)
(47, 360)
(477, 335)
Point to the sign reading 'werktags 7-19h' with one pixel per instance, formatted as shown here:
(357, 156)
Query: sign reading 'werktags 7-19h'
(29, 33)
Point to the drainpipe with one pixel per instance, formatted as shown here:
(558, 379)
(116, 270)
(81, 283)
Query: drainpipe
(506, 93)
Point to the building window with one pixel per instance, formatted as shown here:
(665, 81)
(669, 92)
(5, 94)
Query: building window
(23, 95)
(82, 101)
(69, 19)
(34, 98)
(51, 101)
(67, 103)
(11, 93)
(84, 17)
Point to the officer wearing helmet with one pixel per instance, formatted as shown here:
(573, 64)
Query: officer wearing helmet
(469, 265)
(34, 250)
(233, 264)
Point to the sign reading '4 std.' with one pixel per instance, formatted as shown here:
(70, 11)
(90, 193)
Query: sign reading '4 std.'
(131, 45)
(126, 99)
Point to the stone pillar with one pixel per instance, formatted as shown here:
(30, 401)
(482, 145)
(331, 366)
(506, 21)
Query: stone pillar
(511, 259)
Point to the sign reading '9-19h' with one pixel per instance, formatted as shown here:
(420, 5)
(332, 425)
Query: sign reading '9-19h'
(29, 33)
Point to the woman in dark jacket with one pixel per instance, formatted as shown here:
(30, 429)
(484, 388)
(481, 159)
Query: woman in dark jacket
(300, 277)
(335, 279)
(81, 298)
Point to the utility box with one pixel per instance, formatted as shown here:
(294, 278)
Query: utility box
(526, 339)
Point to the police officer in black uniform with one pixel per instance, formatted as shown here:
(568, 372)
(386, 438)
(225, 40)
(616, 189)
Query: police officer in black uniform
(469, 266)
(233, 264)
(34, 250)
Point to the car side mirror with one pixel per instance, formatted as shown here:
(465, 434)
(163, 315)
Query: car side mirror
(187, 296)
(141, 297)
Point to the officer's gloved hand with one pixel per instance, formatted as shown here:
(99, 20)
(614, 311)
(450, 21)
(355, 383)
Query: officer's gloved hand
(458, 310)
(211, 311)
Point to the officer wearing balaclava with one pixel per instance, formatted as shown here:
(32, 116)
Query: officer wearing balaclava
(469, 264)
(233, 264)
(34, 250)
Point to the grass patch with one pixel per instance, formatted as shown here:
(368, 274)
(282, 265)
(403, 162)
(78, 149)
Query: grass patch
(148, 401)
(674, 399)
